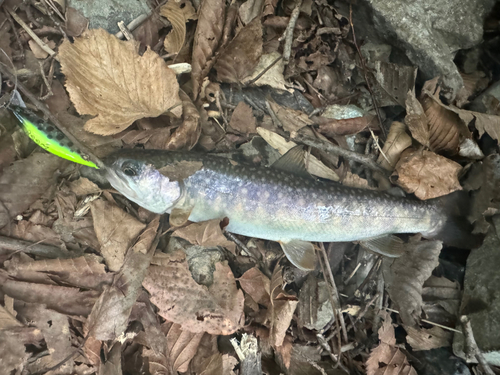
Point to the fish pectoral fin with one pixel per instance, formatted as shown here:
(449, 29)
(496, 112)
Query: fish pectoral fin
(294, 161)
(300, 253)
(179, 216)
(389, 246)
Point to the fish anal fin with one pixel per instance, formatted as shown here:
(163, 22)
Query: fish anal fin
(300, 253)
(293, 162)
(179, 216)
(389, 245)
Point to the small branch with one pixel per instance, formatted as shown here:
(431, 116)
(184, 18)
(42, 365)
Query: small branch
(133, 25)
(329, 147)
(45, 251)
(125, 31)
(287, 49)
(472, 350)
(248, 353)
(258, 76)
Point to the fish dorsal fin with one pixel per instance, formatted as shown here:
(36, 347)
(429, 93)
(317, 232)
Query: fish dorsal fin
(389, 246)
(293, 162)
(300, 253)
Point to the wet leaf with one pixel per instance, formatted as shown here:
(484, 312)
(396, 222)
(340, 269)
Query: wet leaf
(206, 233)
(187, 135)
(240, 57)
(107, 78)
(397, 141)
(386, 358)
(256, 285)
(217, 310)
(405, 276)
(178, 13)
(427, 175)
(18, 191)
(206, 40)
(333, 127)
(115, 230)
(427, 339)
(110, 314)
(243, 119)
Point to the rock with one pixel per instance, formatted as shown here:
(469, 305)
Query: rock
(439, 361)
(429, 31)
(106, 13)
(481, 298)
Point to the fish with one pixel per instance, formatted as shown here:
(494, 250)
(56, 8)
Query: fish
(49, 137)
(280, 203)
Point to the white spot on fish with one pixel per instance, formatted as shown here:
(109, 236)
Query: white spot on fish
(280, 195)
(244, 191)
(301, 202)
(314, 195)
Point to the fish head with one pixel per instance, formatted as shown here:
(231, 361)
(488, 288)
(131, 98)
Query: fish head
(143, 184)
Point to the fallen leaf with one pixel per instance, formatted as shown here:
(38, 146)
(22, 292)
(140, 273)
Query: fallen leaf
(397, 141)
(291, 119)
(178, 13)
(148, 32)
(206, 233)
(207, 38)
(218, 363)
(427, 339)
(333, 127)
(14, 355)
(257, 285)
(416, 120)
(115, 230)
(83, 186)
(217, 310)
(484, 123)
(314, 165)
(76, 23)
(58, 102)
(38, 51)
(386, 358)
(272, 77)
(240, 57)
(186, 136)
(243, 119)
(107, 78)
(24, 182)
(250, 9)
(7, 320)
(181, 347)
(393, 81)
(281, 310)
(110, 314)
(314, 310)
(405, 276)
(113, 363)
(427, 175)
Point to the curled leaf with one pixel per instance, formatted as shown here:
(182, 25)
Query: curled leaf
(186, 136)
(107, 78)
(243, 119)
(397, 141)
(178, 13)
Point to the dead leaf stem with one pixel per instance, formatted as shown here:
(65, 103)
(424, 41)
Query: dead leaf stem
(258, 76)
(287, 49)
(37, 249)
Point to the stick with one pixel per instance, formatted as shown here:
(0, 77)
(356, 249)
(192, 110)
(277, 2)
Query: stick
(125, 31)
(45, 251)
(133, 25)
(258, 76)
(287, 49)
(472, 350)
(329, 147)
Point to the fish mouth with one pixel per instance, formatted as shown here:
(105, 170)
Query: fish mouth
(120, 184)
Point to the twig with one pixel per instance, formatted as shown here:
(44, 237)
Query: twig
(287, 49)
(57, 23)
(363, 66)
(16, 34)
(45, 251)
(7, 72)
(35, 37)
(275, 118)
(473, 350)
(329, 147)
(134, 24)
(252, 253)
(428, 322)
(49, 89)
(125, 31)
(375, 267)
(264, 71)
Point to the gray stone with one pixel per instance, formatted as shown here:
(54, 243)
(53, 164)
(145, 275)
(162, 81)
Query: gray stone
(106, 13)
(481, 299)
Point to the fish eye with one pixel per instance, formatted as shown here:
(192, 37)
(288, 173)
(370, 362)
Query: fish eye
(129, 169)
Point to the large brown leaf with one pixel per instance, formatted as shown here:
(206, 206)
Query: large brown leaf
(178, 13)
(107, 78)
(217, 310)
(238, 60)
(206, 40)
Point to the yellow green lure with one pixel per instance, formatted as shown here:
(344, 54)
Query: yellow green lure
(49, 137)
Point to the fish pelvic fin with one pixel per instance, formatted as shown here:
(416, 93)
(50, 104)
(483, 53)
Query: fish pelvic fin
(300, 253)
(388, 245)
(456, 231)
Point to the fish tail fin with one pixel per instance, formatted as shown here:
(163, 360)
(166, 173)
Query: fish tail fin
(456, 230)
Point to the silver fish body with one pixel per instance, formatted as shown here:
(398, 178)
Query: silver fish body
(267, 203)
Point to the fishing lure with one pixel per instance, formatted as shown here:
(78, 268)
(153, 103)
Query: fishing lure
(49, 137)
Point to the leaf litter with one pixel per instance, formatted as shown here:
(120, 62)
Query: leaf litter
(173, 294)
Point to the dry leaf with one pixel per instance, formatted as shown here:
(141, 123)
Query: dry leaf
(281, 309)
(484, 123)
(291, 119)
(427, 339)
(238, 60)
(397, 141)
(115, 230)
(386, 358)
(206, 40)
(427, 174)
(107, 78)
(416, 120)
(405, 276)
(217, 310)
(7, 320)
(14, 354)
(178, 13)
(249, 10)
(333, 127)
(38, 51)
(187, 135)
(206, 234)
(272, 77)
(314, 165)
(256, 285)
(181, 347)
(243, 119)
(392, 83)
(83, 186)
(24, 182)
(110, 314)
(76, 23)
